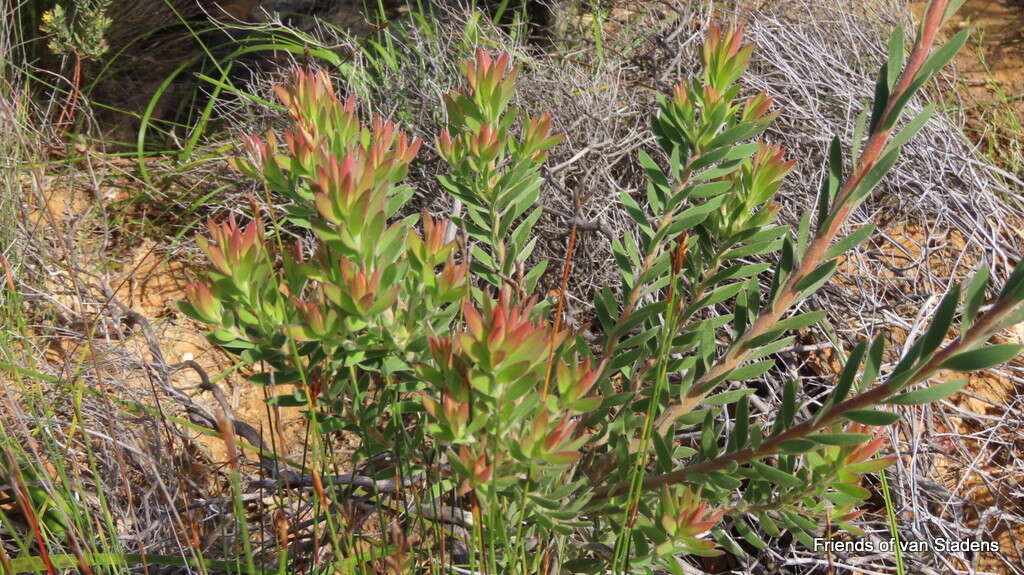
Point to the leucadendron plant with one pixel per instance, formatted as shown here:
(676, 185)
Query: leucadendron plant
(425, 337)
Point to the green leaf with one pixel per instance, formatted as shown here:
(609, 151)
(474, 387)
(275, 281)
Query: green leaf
(816, 279)
(872, 417)
(522, 233)
(750, 371)
(726, 542)
(982, 358)
(741, 429)
(792, 323)
(848, 374)
(709, 189)
(830, 184)
(896, 56)
(974, 297)
(749, 534)
(752, 249)
(874, 362)
(874, 176)
(803, 233)
(787, 410)
(941, 321)
(727, 397)
(855, 491)
(636, 318)
(743, 131)
(776, 476)
(690, 217)
(870, 466)
(634, 209)
(771, 348)
(719, 295)
(849, 242)
(768, 525)
(653, 171)
(929, 394)
(724, 480)
(1013, 289)
(607, 308)
(738, 271)
(881, 99)
(840, 439)
(796, 446)
(911, 129)
(933, 64)
(951, 9)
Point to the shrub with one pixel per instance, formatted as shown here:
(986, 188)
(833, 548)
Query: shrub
(425, 338)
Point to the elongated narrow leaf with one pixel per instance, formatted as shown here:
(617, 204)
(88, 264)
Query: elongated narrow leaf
(982, 358)
(874, 176)
(607, 308)
(793, 323)
(654, 173)
(848, 374)
(830, 185)
(951, 9)
(896, 56)
(709, 189)
(743, 131)
(873, 363)
(749, 534)
(849, 242)
(692, 216)
(974, 297)
(737, 272)
(881, 99)
(840, 439)
(776, 476)
(740, 432)
(771, 348)
(787, 411)
(753, 249)
(871, 465)
(634, 209)
(911, 129)
(938, 59)
(725, 154)
(796, 446)
(768, 525)
(1013, 289)
(872, 417)
(929, 394)
(727, 397)
(719, 295)
(853, 490)
(941, 321)
(751, 371)
(816, 279)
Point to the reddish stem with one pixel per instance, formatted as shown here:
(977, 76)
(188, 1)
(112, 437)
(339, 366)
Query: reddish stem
(815, 253)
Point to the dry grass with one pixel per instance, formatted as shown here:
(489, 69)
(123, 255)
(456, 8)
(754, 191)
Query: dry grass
(940, 213)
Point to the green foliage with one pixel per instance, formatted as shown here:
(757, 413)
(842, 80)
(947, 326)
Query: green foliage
(496, 175)
(383, 328)
(79, 30)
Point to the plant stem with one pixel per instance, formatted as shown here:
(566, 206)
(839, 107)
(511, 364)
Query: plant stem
(981, 331)
(815, 254)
